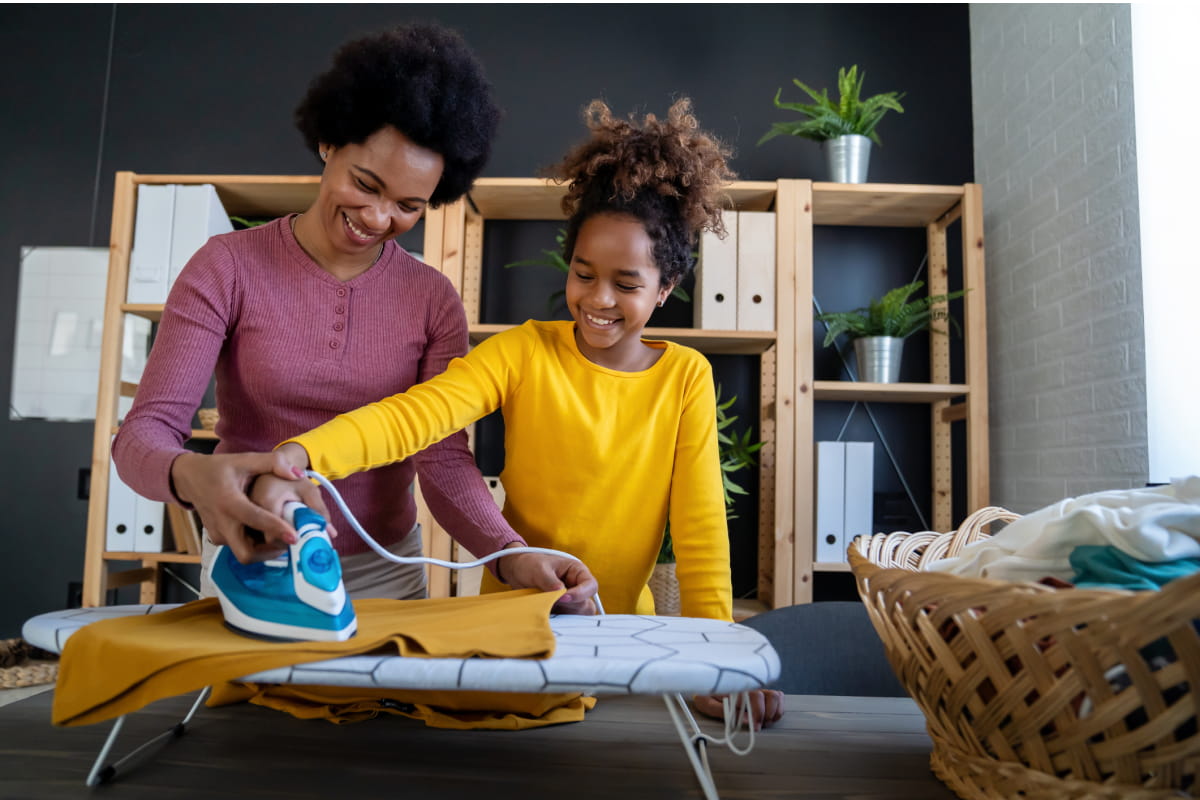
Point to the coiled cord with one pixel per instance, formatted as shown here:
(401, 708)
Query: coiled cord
(378, 548)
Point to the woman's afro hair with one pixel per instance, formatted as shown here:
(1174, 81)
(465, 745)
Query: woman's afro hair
(421, 79)
(667, 174)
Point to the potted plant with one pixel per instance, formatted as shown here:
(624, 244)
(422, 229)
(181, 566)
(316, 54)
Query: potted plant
(845, 128)
(879, 330)
(736, 453)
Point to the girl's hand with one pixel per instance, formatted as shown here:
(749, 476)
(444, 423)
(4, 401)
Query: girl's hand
(766, 707)
(549, 573)
(273, 493)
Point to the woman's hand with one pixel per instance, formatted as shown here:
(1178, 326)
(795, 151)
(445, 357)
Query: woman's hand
(216, 486)
(766, 707)
(549, 573)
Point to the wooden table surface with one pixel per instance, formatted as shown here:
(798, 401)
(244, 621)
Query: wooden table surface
(825, 747)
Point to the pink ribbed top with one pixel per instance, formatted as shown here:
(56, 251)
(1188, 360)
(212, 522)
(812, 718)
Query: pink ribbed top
(291, 346)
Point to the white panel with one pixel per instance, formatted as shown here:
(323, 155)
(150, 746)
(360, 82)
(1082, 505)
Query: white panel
(150, 260)
(198, 216)
(148, 533)
(830, 493)
(756, 271)
(122, 513)
(715, 301)
(1162, 52)
(56, 355)
(860, 490)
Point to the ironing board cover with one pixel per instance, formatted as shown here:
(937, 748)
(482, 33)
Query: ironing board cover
(613, 654)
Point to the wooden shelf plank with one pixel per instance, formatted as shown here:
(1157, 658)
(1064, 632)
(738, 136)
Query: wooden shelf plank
(887, 392)
(882, 205)
(150, 311)
(539, 199)
(152, 558)
(711, 342)
(747, 607)
(197, 433)
(253, 196)
(954, 413)
(819, 566)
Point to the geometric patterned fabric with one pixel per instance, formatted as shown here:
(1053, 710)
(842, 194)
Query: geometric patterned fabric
(613, 654)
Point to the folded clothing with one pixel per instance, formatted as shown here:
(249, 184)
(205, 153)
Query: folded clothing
(1154, 524)
(460, 710)
(119, 665)
(1106, 567)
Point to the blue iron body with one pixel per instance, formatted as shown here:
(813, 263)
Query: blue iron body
(296, 597)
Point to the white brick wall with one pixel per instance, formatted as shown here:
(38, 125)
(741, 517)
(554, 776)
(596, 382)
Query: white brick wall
(1052, 94)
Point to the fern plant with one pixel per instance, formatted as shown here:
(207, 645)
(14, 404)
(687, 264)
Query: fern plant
(736, 452)
(891, 315)
(554, 259)
(851, 114)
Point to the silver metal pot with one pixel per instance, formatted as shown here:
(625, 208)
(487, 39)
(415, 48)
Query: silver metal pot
(878, 358)
(847, 157)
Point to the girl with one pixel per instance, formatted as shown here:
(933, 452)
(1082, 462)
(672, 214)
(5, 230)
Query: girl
(608, 436)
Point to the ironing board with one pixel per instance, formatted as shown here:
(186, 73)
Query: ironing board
(613, 654)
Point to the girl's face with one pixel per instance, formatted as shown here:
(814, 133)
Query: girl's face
(612, 288)
(373, 191)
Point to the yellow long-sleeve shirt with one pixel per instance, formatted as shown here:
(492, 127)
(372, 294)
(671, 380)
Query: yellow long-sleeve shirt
(596, 460)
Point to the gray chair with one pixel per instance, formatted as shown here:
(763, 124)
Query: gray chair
(828, 648)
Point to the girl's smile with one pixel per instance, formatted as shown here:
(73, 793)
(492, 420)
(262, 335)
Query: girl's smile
(612, 288)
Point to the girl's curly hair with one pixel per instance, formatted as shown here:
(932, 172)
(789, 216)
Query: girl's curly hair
(421, 79)
(667, 174)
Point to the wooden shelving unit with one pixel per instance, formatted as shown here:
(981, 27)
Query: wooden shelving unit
(454, 239)
(242, 195)
(934, 208)
(454, 243)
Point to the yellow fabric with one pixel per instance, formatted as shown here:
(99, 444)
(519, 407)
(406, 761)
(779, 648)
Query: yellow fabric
(596, 461)
(117, 666)
(510, 711)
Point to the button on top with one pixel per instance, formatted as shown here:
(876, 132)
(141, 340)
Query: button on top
(341, 292)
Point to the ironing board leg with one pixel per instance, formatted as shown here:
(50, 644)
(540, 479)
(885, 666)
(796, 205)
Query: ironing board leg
(103, 773)
(695, 743)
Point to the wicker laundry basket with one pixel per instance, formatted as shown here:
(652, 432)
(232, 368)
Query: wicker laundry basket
(1038, 692)
(664, 588)
(209, 417)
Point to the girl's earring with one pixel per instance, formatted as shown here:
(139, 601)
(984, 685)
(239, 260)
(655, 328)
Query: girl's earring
(322, 155)
(660, 303)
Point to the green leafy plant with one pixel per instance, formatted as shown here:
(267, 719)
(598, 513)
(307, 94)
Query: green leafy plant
(851, 114)
(554, 259)
(247, 223)
(736, 453)
(891, 315)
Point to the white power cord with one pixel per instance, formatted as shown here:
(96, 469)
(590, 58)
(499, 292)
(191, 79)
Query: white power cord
(378, 548)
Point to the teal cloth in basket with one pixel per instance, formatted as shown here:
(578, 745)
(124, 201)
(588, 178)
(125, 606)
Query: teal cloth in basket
(1106, 567)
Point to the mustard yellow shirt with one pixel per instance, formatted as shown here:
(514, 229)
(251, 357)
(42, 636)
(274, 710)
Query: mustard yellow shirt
(596, 460)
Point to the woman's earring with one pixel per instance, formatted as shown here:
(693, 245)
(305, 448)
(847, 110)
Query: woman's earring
(322, 155)
(660, 303)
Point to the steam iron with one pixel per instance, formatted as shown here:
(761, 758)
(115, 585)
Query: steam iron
(296, 597)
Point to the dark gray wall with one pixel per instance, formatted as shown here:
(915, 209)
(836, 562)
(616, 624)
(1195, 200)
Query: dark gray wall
(210, 89)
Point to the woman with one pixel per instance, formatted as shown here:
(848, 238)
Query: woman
(317, 313)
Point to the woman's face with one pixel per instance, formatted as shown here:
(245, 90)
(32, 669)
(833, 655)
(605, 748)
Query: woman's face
(374, 191)
(612, 289)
